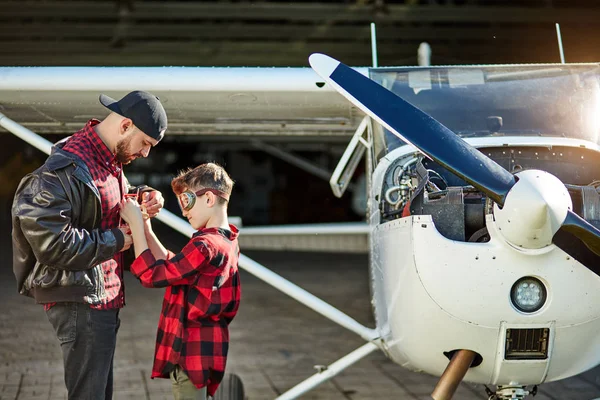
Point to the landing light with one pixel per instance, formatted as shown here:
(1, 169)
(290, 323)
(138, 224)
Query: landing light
(528, 294)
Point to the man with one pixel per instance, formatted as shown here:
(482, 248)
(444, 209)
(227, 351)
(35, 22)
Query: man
(67, 240)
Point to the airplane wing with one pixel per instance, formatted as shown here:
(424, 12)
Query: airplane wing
(199, 101)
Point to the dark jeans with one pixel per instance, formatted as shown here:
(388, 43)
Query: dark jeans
(87, 338)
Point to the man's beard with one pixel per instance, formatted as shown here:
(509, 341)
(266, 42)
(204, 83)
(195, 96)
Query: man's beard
(123, 155)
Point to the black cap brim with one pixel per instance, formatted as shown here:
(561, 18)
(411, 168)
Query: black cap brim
(110, 103)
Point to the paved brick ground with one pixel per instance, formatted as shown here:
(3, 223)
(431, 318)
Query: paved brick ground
(275, 341)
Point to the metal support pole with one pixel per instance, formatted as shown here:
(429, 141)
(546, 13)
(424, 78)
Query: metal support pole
(32, 138)
(292, 159)
(374, 45)
(329, 372)
(560, 45)
(282, 284)
(340, 178)
(306, 298)
(341, 228)
(424, 55)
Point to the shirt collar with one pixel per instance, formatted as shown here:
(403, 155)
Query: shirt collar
(230, 234)
(104, 155)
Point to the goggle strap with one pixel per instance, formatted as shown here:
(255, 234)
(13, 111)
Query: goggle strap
(192, 198)
(216, 192)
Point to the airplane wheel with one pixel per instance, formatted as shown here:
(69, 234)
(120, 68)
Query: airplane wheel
(231, 388)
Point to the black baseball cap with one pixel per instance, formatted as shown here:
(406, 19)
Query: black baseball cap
(143, 108)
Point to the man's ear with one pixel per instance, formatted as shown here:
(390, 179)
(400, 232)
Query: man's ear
(126, 126)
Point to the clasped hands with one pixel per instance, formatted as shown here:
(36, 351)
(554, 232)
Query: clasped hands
(138, 216)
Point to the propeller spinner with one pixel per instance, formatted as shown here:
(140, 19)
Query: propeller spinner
(532, 210)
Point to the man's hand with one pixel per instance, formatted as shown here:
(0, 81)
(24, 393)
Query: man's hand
(128, 239)
(152, 202)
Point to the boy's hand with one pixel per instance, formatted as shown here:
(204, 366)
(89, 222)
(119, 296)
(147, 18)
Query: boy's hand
(152, 202)
(131, 213)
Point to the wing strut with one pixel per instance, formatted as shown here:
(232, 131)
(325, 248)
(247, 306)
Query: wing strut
(329, 371)
(340, 179)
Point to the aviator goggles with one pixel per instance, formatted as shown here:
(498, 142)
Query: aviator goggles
(188, 198)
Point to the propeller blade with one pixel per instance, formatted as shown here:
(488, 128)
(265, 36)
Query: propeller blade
(581, 240)
(586, 232)
(416, 127)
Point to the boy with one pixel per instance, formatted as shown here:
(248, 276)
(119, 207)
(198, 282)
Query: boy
(202, 281)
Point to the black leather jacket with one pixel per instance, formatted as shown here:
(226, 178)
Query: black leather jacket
(57, 241)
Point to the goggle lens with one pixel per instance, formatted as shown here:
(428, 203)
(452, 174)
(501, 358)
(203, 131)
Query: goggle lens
(187, 200)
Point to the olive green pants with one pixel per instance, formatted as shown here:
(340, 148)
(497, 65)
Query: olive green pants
(183, 388)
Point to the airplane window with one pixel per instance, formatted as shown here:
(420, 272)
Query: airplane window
(519, 100)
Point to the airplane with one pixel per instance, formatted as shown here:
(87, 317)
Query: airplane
(480, 180)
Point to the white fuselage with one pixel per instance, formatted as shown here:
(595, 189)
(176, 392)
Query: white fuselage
(433, 295)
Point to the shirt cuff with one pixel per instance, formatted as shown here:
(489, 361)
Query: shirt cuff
(120, 237)
(142, 263)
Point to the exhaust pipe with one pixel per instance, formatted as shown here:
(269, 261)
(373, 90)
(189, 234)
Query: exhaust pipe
(453, 375)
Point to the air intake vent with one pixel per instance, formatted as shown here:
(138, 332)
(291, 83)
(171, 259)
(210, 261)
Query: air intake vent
(526, 344)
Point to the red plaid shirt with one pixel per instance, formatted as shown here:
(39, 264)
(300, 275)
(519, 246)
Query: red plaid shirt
(108, 178)
(202, 298)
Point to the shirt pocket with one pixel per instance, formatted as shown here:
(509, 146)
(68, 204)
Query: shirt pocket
(204, 298)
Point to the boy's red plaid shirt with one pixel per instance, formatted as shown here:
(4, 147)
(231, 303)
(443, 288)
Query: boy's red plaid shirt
(202, 297)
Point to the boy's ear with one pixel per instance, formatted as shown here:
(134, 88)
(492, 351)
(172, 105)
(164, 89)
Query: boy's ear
(211, 198)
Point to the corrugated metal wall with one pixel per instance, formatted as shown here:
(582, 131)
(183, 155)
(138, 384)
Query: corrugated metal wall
(265, 33)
